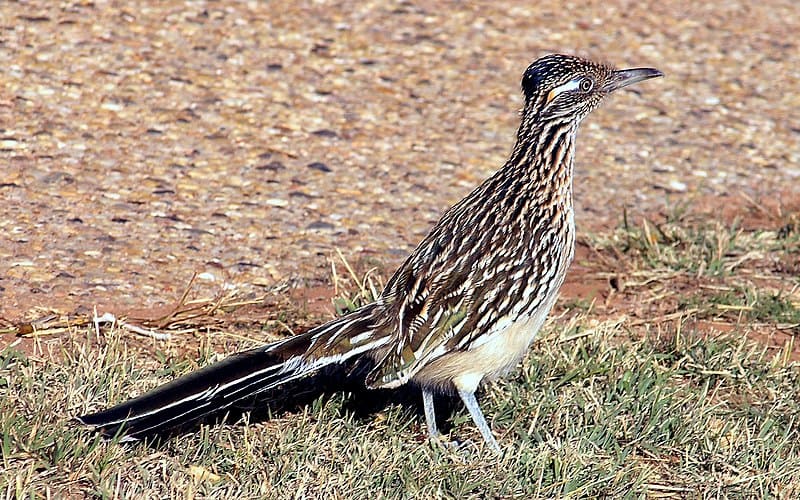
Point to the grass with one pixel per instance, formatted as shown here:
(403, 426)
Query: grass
(748, 303)
(599, 408)
(683, 242)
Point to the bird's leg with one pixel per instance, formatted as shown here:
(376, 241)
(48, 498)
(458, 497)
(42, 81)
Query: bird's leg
(430, 414)
(468, 397)
(430, 418)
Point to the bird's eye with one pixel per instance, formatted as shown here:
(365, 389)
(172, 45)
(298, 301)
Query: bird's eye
(581, 84)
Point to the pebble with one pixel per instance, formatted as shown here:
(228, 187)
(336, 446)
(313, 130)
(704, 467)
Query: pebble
(677, 186)
(325, 133)
(112, 106)
(661, 168)
(319, 166)
(320, 225)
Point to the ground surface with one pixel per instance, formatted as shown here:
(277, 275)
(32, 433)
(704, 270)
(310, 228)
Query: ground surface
(143, 143)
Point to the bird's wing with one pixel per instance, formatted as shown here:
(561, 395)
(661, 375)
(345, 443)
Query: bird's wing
(432, 299)
(424, 338)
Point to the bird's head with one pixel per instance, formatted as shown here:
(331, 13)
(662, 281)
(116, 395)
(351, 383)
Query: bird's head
(567, 88)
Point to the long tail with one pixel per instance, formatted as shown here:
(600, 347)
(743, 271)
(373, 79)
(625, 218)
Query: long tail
(237, 379)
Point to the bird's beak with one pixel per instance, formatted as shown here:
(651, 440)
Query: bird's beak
(624, 77)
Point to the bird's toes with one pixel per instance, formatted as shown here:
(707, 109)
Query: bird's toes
(444, 442)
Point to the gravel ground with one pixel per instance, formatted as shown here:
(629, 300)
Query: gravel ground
(141, 142)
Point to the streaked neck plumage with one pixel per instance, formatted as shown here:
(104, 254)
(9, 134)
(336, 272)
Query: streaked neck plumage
(538, 173)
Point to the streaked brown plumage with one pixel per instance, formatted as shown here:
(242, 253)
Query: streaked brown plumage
(466, 304)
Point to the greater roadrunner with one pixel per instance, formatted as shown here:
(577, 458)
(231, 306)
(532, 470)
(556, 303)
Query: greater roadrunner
(466, 304)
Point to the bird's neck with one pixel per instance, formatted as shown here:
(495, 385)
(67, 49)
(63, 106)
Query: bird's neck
(541, 164)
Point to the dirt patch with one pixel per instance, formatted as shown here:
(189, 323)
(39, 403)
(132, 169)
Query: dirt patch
(759, 298)
(605, 282)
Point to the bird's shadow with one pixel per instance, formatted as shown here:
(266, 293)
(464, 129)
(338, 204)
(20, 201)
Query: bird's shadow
(329, 382)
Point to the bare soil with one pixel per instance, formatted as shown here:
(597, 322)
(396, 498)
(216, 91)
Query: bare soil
(142, 145)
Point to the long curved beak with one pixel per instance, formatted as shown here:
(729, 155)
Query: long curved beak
(624, 77)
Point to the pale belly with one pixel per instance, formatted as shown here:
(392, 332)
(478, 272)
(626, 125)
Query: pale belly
(492, 358)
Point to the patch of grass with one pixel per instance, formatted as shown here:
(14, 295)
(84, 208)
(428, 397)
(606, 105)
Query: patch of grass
(688, 266)
(774, 306)
(578, 304)
(749, 304)
(366, 288)
(705, 250)
(697, 246)
(595, 416)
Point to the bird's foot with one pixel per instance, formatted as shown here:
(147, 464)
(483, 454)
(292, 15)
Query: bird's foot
(444, 442)
(455, 445)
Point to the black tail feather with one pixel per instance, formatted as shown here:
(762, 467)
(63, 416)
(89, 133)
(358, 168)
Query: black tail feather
(227, 384)
(267, 373)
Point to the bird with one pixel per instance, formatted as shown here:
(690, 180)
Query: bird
(461, 310)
